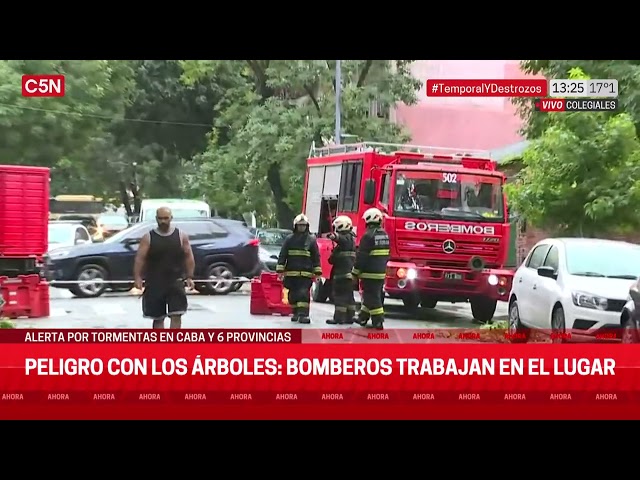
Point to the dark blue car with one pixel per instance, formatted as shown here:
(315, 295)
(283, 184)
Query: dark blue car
(222, 248)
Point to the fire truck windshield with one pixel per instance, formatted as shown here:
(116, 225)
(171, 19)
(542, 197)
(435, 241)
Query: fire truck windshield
(450, 195)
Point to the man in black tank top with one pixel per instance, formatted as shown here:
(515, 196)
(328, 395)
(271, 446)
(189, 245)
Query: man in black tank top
(166, 260)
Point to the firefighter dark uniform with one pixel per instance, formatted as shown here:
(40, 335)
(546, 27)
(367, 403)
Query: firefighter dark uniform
(298, 262)
(343, 258)
(370, 267)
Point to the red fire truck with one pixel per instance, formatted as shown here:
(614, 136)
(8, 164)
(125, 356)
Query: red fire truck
(445, 213)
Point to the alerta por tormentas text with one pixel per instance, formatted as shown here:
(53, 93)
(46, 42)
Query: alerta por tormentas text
(319, 366)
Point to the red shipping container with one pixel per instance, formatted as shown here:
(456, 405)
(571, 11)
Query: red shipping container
(24, 210)
(25, 296)
(267, 296)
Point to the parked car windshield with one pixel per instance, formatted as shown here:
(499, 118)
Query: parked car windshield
(593, 259)
(179, 213)
(139, 230)
(61, 233)
(113, 220)
(272, 237)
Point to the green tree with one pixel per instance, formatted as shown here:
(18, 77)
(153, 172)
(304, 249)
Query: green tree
(166, 124)
(627, 72)
(580, 174)
(272, 111)
(57, 132)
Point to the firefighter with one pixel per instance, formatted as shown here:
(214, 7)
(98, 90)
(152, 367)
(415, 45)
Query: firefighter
(342, 258)
(370, 268)
(298, 265)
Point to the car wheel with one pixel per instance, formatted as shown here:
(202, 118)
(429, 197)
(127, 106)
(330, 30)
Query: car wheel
(518, 333)
(91, 280)
(220, 271)
(629, 332)
(558, 326)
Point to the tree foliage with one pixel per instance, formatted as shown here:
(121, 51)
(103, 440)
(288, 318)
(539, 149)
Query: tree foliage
(581, 170)
(271, 114)
(234, 132)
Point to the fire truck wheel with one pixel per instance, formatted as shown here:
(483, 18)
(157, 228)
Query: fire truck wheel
(483, 309)
(429, 302)
(412, 302)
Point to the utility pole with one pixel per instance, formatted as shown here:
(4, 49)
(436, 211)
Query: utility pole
(338, 134)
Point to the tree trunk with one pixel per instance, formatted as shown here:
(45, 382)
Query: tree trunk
(284, 213)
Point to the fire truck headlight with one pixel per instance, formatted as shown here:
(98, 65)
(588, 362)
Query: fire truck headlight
(411, 274)
(493, 280)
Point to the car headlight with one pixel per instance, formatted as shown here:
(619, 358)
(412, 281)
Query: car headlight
(493, 280)
(412, 274)
(587, 300)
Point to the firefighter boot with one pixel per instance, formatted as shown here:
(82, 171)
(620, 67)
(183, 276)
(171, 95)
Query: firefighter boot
(377, 319)
(304, 320)
(377, 323)
(349, 317)
(338, 316)
(363, 318)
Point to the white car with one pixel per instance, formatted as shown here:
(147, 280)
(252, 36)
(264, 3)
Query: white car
(572, 287)
(67, 234)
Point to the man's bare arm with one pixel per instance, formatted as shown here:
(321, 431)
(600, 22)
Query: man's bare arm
(141, 257)
(189, 261)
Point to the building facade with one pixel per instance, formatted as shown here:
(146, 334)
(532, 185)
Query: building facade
(489, 123)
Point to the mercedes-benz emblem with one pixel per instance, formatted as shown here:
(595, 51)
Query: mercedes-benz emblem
(448, 246)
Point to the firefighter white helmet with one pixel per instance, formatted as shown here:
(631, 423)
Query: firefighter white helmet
(342, 223)
(373, 215)
(300, 220)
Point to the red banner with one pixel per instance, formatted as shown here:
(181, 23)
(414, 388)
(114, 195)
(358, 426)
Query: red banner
(269, 374)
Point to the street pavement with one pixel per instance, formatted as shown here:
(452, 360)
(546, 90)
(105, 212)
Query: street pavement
(231, 311)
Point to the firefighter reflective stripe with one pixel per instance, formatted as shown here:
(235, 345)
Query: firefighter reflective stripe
(355, 272)
(279, 268)
(341, 309)
(348, 276)
(317, 270)
(347, 254)
(381, 252)
(376, 311)
(298, 274)
(364, 309)
(372, 276)
(302, 304)
(299, 253)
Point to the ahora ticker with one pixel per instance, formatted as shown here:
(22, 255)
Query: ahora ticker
(576, 105)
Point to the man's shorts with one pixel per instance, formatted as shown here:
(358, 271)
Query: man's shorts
(160, 301)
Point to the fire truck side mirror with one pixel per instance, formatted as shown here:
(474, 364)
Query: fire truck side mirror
(370, 191)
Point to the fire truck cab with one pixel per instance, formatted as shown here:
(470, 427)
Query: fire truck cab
(445, 213)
